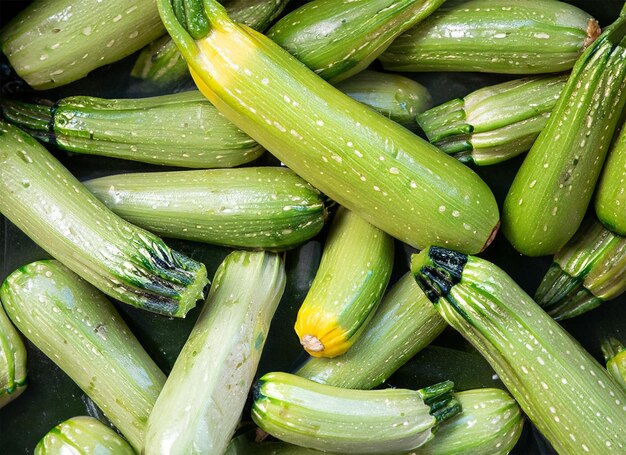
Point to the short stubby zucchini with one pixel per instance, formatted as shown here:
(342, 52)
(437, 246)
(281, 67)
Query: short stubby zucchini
(367, 163)
(350, 281)
(495, 36)
(610, 200)
(13, 369)
(567, 394)
(615, 357)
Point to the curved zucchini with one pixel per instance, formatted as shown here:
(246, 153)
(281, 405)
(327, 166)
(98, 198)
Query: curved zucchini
(571, 399)
(551, 191)
(183, 129)
(369, 164)
(253, 207)
(199, 408)
(495, 36)
(349, 283)
(338, 39)
(79, 330)
(45, 200)
(610, 201)
(615, 357)
(13, 370)
(85, 436)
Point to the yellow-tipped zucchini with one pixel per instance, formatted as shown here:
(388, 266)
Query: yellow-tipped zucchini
(569, 396)
(183, 129)
(43, 199)
(365, 162)
(348, 286)
(199, 408)
(79, 330)
(13, 370)
(615, 357)
(254, 207)
(85, 436)
(327, 418)
(610, 201)
(495, 36)
(551, 191)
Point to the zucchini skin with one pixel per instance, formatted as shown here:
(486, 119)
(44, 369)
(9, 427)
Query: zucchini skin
(229, 336)
(571, 399)
(552, 189)
(369, 164)
(615, 357)
(79, 330)
(495, 36)
(348, 286)
(182, 129)
(83, 435)
(610, 199)
(55, 210)
(253, 207)
(13, 368)
(338, 39)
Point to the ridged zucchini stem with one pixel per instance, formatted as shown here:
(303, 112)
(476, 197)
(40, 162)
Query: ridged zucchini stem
(36, 119)
(13, 367)
(615, 356)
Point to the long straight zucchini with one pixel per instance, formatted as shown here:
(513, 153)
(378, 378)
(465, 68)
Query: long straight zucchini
(53, 208)
(571, 398)
(615, 357)
(369, 164)
(495, 36)
(495, 123)
(199, 408)
(13, 370)
(175, 130)
(349, 283)
(79, 330)
(550, 194)
(610, 200)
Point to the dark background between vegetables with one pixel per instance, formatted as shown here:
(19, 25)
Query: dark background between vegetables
(52, 397)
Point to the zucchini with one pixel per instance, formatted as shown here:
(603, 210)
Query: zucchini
(83, 435)
(183, 129)
(569, 397)
(588, 270)
(496, 123)
(327, 418)
(338, 39)
(201, 403)
(253, 207)
(551, 191)
(495, 36)
(48, 204)
(610, 199)
(615, 357)
(79, 330)
(369, 164)
(404, 323)
(55, 42)
(13, 370)
(350, 281)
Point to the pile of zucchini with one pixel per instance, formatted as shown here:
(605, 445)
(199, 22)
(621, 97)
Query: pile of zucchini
(310, 223)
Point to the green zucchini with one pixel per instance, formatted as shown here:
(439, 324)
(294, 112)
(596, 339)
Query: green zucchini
(610, 199)
(253, 207)
(201, 403)
(79, 330)
(404, 323)
(496, 123)
(615, 357)
(55, 42)
(570, 398)
(495, 36)
(48, 204)
(369, 164)
(588, 270)
(551, 191)
(13, 371)
(183, 129)
(338, 39)
(348, 286)
(85, 436)
(327, 418)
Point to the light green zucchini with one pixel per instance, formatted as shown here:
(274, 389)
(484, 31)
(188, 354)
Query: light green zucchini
(571, 399)
(610, 199)
(79, 330)
(615, 357)
(495, 36)
(369, 164)
(55, 210)
(551, 191)
(13, 370)
(85, 436)
(201, 403)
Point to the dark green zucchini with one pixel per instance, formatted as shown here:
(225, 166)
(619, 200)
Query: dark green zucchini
(610, 200)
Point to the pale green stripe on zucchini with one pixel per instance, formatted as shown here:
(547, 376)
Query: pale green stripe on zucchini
(615, 357)
(201, 403)
(13, 369)
(45, 201)
(610, 199)
(79, 330)
(571, 399)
